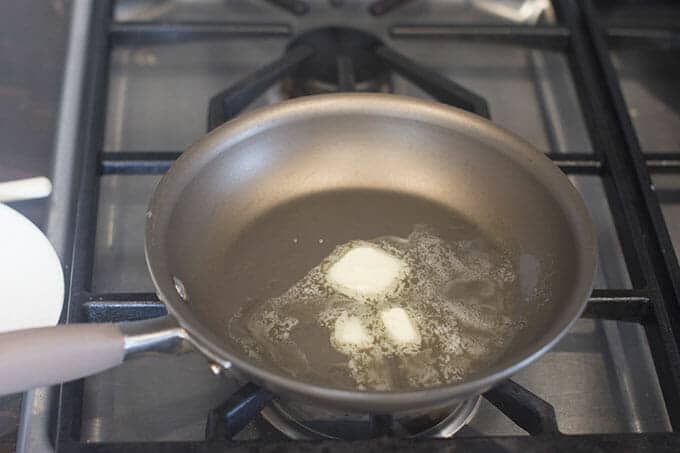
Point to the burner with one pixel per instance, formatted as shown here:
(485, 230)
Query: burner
(302, 421)
(338, 59)
(343, 60)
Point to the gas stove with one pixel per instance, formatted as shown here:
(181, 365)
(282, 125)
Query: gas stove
(590, 84)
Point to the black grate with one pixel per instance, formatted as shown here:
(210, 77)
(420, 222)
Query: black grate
(340, 55)
(648, 251)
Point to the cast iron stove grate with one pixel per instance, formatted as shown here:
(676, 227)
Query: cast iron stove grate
(340, 58)
(618, 159)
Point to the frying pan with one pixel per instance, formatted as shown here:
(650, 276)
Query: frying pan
(328, 169)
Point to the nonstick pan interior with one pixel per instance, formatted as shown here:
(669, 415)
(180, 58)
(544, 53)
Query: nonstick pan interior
(249, 210)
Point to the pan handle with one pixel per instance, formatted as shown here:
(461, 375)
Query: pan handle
(51, 355)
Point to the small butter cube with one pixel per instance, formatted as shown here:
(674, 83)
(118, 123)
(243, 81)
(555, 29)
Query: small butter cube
(349, 331)
(399, 327)
(366, 272)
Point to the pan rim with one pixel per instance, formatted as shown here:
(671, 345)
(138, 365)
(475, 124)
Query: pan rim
(518, 150)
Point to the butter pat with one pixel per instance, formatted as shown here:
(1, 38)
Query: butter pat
(399, 327)
(366, 272)
(349, 331)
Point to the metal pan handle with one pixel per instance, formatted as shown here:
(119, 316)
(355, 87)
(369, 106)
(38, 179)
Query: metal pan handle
(51, 355)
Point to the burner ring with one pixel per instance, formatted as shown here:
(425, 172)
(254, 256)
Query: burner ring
(293, 427)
